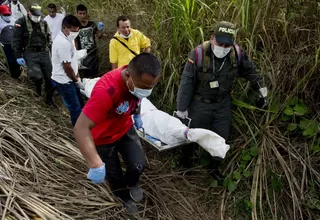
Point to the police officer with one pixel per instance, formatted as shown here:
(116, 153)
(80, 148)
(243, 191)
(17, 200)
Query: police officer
(31, 43)
(204, 92)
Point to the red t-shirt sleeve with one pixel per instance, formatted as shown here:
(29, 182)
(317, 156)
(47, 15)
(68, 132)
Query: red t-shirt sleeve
(98, 106)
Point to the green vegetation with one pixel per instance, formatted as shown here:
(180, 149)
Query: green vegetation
(273, 167)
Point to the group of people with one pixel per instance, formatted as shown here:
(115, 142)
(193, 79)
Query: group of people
(27, 38)
(106, 125)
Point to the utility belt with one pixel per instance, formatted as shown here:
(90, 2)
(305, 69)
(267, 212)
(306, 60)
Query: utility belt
(208, 101)
(36, 49)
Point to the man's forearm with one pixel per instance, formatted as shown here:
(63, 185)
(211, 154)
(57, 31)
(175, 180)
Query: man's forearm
(114, 65)
(87, 147)
(148, 49)
(70, 73)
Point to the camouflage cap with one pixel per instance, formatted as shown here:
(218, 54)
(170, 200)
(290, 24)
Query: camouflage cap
(224, 32)
(35, 9)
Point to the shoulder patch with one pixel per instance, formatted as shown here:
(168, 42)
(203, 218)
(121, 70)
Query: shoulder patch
(190, 61)
(17, 25)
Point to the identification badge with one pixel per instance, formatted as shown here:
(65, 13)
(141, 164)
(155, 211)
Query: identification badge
(214, 84)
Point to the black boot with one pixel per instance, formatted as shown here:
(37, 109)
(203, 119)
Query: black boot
(49, 98)
(38, 89)
(186, 159)
(214, 170)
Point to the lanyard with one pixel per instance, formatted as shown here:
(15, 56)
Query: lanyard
(214, 67)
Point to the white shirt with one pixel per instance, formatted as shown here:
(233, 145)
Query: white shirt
(63, 51)
(15, 12)
(3, 23)
(55, 24)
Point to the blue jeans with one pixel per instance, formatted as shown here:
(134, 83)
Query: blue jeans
(72, 99)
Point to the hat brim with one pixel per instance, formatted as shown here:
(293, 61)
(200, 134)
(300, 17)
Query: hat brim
(222, 39)
(36, 12)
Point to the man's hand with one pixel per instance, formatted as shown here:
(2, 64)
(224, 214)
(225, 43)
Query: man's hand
(137, 121)
(21, 61)
(97, 175)
(100, 26)
(262, 102)
(80, 84)
(182, 115)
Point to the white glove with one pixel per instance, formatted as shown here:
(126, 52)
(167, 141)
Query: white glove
(81, 54)
(80, 84)
(182, 115)
(264, 92)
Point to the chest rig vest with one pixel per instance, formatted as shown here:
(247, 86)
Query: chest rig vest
(215, 76)
(43, 28)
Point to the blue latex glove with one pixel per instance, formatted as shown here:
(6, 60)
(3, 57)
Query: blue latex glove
(137, 121)
(21, 61)
(100, 25)
(97, 175)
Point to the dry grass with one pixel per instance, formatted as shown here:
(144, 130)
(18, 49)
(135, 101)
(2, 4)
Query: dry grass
(43, 174)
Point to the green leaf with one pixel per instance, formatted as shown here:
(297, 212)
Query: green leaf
(232, 186)
(310, 131)
(225, 182)
(292, 127)
(246, 157)
(248, 204)
(294, 101)
(315, 148)
(236, 175)
(240, 103)
(286, 117)
(204, 161)
(242, 167)
(246, 174)
(310, 127)
(254, 151)
(213, 183)
(288, 111)
(304, 123)
(300, 109)
(276, 184)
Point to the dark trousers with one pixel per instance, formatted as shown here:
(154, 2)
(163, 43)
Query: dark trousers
(130, 148)
(72, 99)
(14, 67)
(39, 68)
(212, 116)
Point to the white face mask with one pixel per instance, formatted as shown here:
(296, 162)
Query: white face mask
(124, 36)
(72, 35)
(35, 19)
(220, 52)
(140, 93)
(6, 18)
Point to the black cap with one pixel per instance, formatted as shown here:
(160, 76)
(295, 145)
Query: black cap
(35, 9)
(225, 32)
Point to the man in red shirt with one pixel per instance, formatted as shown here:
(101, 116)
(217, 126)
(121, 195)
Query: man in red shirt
(105, 127)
